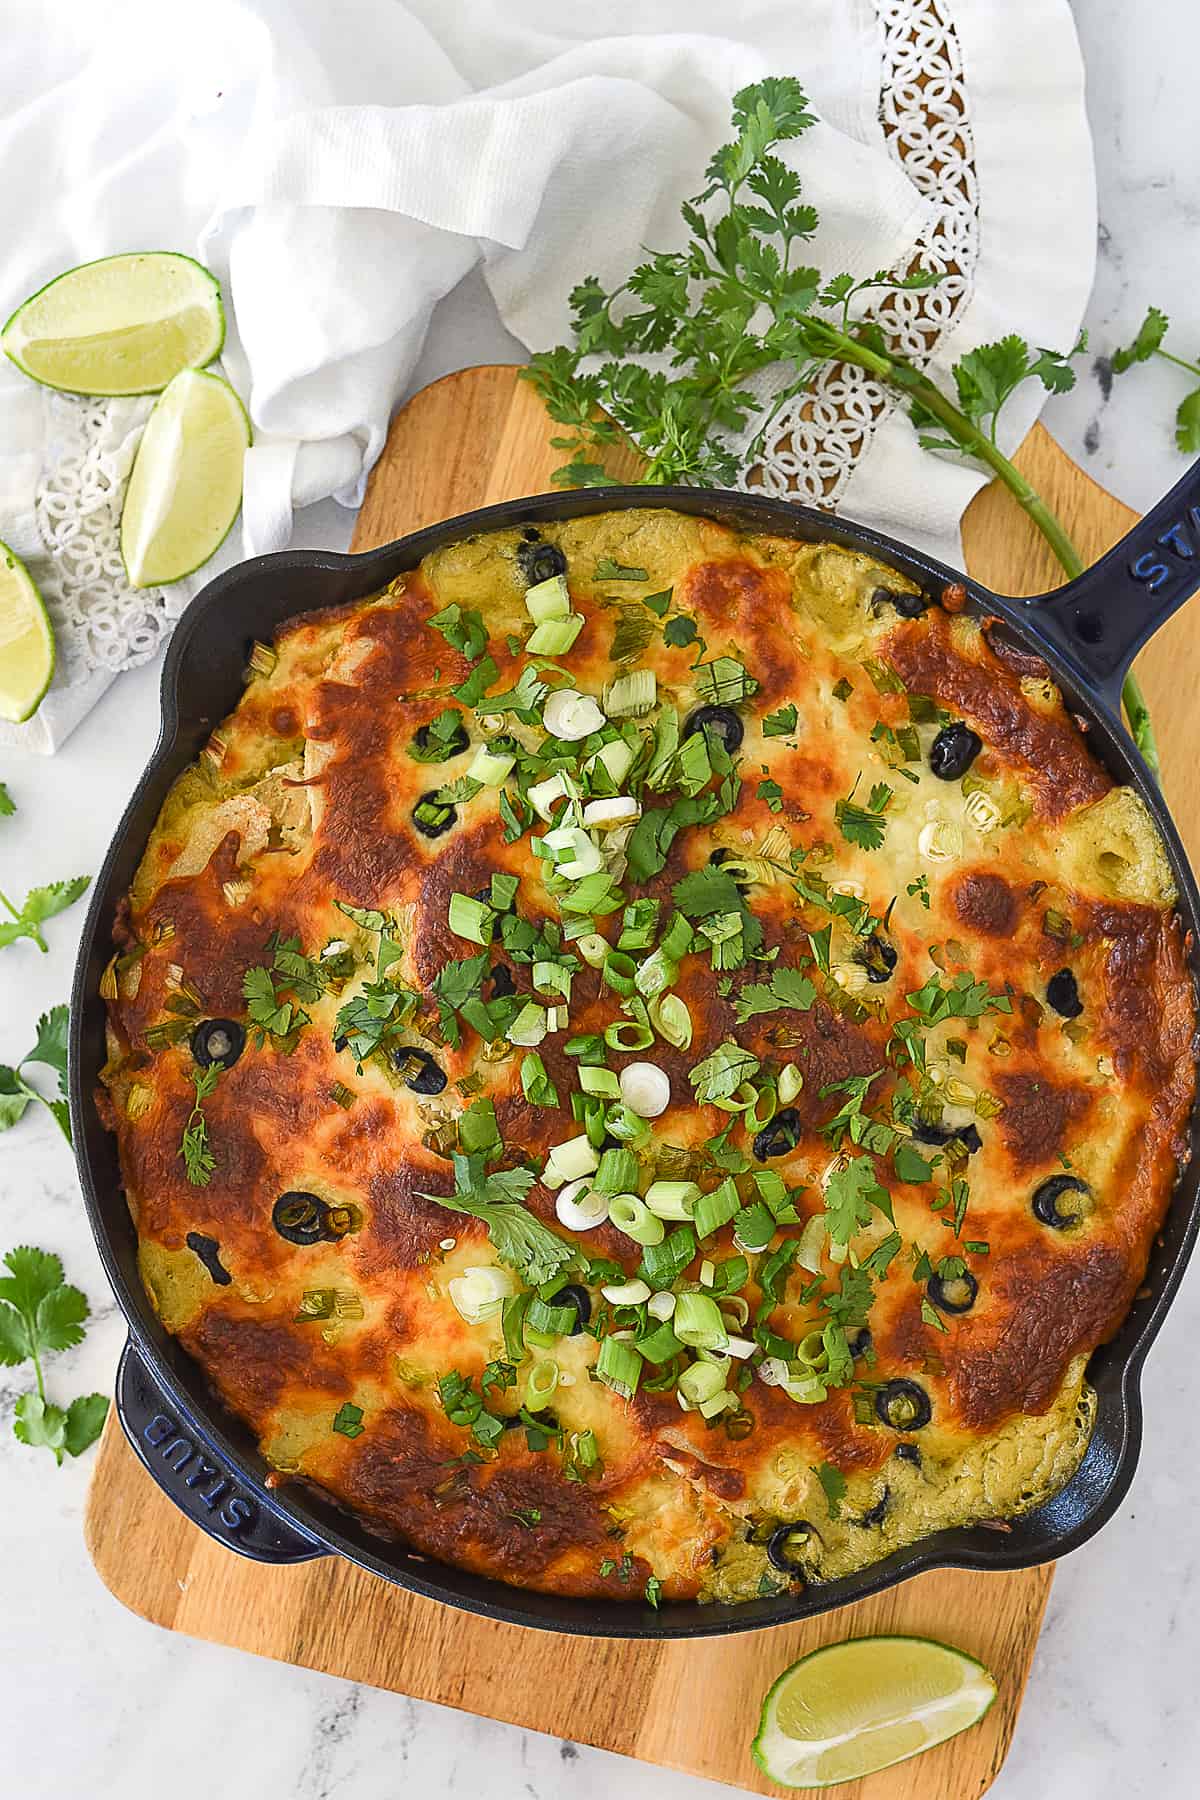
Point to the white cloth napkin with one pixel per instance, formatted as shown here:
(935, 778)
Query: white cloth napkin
(341, 166)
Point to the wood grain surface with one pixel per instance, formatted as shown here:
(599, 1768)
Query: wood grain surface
(473, 438)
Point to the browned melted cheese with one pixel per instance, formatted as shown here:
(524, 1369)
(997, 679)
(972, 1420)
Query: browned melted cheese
(306, 798)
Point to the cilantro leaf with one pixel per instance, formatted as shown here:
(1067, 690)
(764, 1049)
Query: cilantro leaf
(723, 680)
(833, 1485)
(463, 631)
(861, 825)
(518, 1237)
(680, 631)
(719, 1075)
(7, 803)
(1151, 332)
(194, 1148)
(85, 1422)
(41, 903)
(782, 723)
(51, 1045)
(786, 988)
(40, 1313)
(851, 1194)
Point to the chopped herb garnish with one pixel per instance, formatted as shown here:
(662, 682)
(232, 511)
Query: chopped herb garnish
(608, 570)
(833, 1485)
(781, 723)
(348, 1420)
(787, 988)
(861, 825)
(464, 631)
(518, 1237)
(194, 1147)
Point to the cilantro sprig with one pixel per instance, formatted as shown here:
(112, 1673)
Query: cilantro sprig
(194, 1147)
(518, 1236)
(16, 1092)
(39, 1314)
(1148, 343)
(40, 904)
(738, 299)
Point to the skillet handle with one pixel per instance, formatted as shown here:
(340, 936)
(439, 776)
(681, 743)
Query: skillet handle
(196, 1477)
(1100, 620)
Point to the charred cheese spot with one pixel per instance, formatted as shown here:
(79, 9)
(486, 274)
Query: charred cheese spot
(1028, 862)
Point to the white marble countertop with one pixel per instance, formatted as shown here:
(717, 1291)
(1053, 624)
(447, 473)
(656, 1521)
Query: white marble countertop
(95, 1698)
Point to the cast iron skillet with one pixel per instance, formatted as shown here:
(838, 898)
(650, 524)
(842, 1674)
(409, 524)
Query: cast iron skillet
(202, 1457)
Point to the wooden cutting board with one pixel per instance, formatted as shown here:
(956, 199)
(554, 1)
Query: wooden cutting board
(473, 438)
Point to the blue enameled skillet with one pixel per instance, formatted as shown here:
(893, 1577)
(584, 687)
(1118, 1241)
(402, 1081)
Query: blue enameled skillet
(205, 1459)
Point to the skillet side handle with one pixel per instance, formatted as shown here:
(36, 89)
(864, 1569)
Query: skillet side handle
(1100, 620)
(191, 1473)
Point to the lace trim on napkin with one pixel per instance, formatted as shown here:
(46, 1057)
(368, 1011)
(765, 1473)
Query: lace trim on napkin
(810, 450)
(815, 440)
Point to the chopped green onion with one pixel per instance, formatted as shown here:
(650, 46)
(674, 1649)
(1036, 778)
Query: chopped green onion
(554, 637)
(593, 949)
(543, 794)
(619, 1367)
(536, 1084)
(567, 1162)
(512, 1319)
(790, 1083)
(716, 1208)
(541, 1383)
(548, 599)
(630, 696)
(812, 1244)
(672, 1020)
(552, 978)
(634, 1218)
(620, 972)
(489, 767)
(622, 1122)
(701, 1381)
(697, 1321)
(617, 1172)
(656, 974)
(661, 1345)
(665, 1262)
(627, 1034)
(600, 1081)
(529, 1027)
(672, 1199)
(473, 919)
(553, 1321)
(617, 759)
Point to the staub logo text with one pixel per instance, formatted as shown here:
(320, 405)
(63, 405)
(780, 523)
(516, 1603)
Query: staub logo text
(205, 1479)
(1180, 541)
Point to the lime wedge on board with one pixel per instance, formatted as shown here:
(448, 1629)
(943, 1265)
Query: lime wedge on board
(854, 1708)
(185, 487)
(26, 640)
(123, 325)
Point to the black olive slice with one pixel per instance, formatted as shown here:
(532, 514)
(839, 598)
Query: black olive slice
(433, 817)
(721, 721)
(458, 741)
(1048, 1201)
(780, 1136)
(953, 751)
(875, 1515)
(300, 1217)
(907, 1453)
(421, 1072)
(909, 606)
(209, 1252)
(1062, 994)
(904, 1405)
(578, 1297)
(925, 1132)
(877, 957)
(501, 978)
(218, 1041)
(787, 1544)
(860, 1341)
(539, 561)
(954, 1293)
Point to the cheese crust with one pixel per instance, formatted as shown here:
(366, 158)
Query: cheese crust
(988, 885)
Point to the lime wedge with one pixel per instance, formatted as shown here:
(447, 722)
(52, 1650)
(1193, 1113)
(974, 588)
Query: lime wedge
(123, 325)
(26, 640)
(186, 485)
(854, 1708)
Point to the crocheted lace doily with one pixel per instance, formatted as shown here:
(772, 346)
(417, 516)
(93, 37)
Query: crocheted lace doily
(810, 450)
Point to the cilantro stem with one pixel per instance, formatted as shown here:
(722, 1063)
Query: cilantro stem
(897, 372)
(1179, 361)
